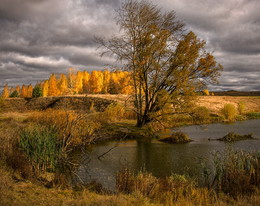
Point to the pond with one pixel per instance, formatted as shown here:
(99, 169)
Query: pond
(163, 159)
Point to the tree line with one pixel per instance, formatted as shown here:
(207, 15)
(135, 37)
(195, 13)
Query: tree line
(75, 82)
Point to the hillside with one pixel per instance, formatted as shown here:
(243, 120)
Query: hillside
(66, 102)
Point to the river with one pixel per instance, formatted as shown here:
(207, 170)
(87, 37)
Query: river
(162, 159)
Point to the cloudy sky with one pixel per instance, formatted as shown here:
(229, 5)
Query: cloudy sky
(40, 37)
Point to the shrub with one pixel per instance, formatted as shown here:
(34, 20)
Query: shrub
(230, 137)
(41, 146)
(241, 107)
(176, 138)
(201, 115)
(14, 94)
(37, 92)
(76, 128)
(229, 112)
(114, 112)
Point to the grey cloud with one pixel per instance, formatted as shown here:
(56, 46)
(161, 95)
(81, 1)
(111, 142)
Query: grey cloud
(40, 37)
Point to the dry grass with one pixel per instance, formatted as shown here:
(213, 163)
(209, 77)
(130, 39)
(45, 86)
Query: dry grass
(23, 193)
(216, 103)
(16, 189)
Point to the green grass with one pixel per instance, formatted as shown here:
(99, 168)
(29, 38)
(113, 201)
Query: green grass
(253, 115)
(41, 146)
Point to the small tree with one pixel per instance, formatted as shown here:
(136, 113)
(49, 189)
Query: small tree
(24, 91)
(206, 92)
(37, 91)
(14, 94)
(5, 93)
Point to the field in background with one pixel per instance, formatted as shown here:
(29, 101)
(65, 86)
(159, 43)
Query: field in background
(101, 101)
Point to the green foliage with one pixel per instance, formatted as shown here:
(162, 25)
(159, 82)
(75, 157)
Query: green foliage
(42, 147)
(253, 115)
(114, 112)
(229, 112)
(201, 115)
(236, 172)
(14, 94)
(241, 107)
(37, 92)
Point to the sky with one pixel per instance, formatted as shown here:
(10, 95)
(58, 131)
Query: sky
(40, 37)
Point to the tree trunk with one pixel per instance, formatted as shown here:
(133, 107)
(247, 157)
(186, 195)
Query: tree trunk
(142, 120)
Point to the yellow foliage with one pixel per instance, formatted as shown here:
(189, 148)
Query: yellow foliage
(63, 84)
(53, 89)
(24, 91)
(6, 93)
(206, 92)
(29, 91)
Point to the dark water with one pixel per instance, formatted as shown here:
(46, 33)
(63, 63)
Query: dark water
(162, 159)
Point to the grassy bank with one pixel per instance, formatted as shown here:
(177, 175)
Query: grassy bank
(36, 144)
(27, 180)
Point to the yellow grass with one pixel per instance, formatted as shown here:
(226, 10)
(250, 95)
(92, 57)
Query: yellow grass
(216, 103)
(23, 193)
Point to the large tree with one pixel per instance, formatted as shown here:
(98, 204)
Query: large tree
(167, 63)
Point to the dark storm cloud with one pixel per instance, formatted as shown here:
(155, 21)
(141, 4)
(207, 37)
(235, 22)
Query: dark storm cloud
(39, 37)
(232, 32)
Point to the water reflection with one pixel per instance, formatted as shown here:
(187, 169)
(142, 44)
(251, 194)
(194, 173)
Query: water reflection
(162, 159)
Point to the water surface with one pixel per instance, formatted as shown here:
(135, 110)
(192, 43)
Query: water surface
(162, 159)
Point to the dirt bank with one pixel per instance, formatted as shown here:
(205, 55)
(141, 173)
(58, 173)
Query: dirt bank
(43, 103)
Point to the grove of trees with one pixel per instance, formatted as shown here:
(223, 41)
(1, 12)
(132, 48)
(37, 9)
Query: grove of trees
(75, 82)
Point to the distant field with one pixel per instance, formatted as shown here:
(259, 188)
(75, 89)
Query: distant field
(215, 103)
(100, 101)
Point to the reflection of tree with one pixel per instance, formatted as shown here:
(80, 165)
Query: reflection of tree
(164, 159)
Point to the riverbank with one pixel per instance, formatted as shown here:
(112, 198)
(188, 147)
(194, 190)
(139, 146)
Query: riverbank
(19, 185)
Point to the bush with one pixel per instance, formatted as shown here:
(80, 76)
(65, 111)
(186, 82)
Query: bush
(37, 92)
(229, 112)
(14, 94)
(76, 128)
(241, 107)
(206, 92)
(176, 138)
(114, 112)
(201, 115)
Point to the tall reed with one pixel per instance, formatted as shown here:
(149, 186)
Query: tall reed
(236, 172)
(42, 147)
